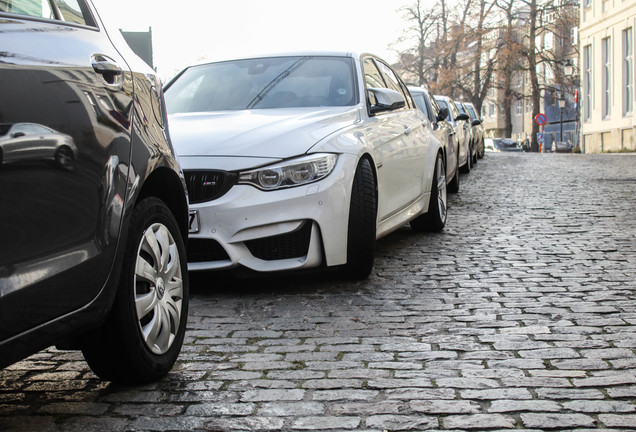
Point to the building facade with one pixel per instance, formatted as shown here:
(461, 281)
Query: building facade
(607, 39)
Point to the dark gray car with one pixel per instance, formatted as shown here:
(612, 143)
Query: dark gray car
(92, 255)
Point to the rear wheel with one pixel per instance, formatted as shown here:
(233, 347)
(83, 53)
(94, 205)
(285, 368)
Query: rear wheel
(362, 224)
(143, 334)
(435, 219)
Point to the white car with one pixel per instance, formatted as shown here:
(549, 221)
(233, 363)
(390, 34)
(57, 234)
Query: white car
(301, 161)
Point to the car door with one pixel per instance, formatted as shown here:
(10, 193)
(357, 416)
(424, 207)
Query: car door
(396, 137)
(59, 224)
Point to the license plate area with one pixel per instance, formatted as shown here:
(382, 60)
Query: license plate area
(194, 221)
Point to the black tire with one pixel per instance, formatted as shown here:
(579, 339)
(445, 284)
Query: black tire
(362, 224)
(434, 219)
(120, 351)
(453, 186)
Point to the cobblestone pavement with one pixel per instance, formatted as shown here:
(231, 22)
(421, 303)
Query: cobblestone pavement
(520, 315)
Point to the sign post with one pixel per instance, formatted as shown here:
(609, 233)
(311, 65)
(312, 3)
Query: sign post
(541, 120)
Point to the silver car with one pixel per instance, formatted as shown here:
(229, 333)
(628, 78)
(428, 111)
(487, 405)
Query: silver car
(22, 142)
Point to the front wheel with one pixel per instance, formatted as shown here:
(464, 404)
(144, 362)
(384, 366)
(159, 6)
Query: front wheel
(143, 334)
(435, 218)
(362, 224)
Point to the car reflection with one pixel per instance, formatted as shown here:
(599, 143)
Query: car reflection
(29, 142)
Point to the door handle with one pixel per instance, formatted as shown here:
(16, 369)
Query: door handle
(407, 130)
(110, 71)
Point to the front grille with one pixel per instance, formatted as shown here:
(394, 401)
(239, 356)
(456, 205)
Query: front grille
(203, 250)
(291, 245)
(208, 185)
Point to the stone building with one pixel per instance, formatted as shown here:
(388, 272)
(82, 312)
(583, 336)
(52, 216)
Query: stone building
(607, 40)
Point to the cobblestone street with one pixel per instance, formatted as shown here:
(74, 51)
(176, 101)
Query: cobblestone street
(521, 314)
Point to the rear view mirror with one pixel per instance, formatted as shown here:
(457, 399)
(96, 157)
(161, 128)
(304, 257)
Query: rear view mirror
(383, 99)
(462, 116)
(443, 113)
(476, 122)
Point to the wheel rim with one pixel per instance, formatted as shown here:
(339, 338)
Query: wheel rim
(158, 288)
(441, 189)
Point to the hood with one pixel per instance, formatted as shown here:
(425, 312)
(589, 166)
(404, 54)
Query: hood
(263, 133)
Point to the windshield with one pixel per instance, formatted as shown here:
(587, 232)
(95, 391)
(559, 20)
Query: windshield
(277, 82)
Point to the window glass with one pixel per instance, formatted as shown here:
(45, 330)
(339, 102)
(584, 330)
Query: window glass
(460, 108)
(274, 82)
(628, 71)
(35, 8)
(72, 11)
(434, 105)
(394, 83)
(607, 76)
(372, 76)
(472, 111)
(421, 104)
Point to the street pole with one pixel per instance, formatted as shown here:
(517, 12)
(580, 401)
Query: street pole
(561, 124)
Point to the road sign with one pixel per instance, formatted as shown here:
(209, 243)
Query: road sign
(540, 138)
(540, 119)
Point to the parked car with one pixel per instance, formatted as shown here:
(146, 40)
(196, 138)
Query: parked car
(506, 145)
(443, 131)
(93, 255)
(302, 161)
(31, 142)
(478, 131)
(489, 145)
(459, 121)
(469, 130)
(562, 147)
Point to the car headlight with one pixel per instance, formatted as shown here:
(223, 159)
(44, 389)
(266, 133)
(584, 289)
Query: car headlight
(290, 173)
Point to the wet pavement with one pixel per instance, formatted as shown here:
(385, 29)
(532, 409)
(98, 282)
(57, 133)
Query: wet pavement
(519, 315)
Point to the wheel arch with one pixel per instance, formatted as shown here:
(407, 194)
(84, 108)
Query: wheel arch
(165, 184)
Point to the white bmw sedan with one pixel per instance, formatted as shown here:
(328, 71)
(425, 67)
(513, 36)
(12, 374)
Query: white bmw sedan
(301, 161)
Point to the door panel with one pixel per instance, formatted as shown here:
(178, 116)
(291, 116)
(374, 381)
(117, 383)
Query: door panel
(60, 208)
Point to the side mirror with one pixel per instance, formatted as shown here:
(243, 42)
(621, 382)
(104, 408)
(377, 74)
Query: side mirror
(443, 113)
(383, 99)
(462, 116)
(476, 122)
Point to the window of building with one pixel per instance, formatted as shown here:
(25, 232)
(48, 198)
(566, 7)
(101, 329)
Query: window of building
(587, 82)
(628, 71)
(606, 45)
(519, 107)
(492, 110)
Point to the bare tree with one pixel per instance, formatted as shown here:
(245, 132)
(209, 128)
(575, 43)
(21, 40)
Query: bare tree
(423, 30)
(509, 60)
(475, 76)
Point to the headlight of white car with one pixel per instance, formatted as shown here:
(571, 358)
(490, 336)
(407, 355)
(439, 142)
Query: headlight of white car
(293, 172)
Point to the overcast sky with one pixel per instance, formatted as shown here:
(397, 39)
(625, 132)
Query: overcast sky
(192, 31)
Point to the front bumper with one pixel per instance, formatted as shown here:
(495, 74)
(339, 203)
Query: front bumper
(267, 231)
